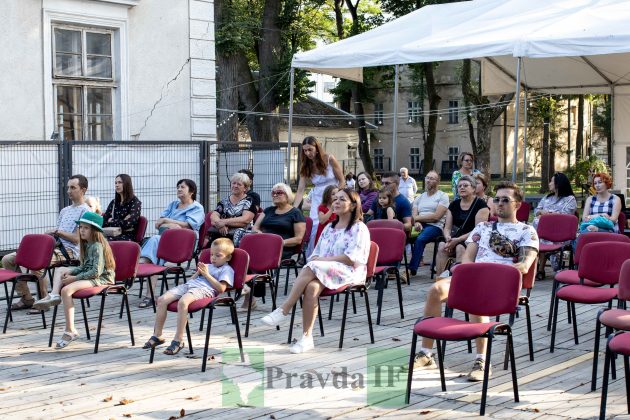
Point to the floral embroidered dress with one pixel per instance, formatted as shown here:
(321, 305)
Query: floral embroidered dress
(354, 243)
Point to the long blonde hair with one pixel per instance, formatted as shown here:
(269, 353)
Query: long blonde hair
(97, 236)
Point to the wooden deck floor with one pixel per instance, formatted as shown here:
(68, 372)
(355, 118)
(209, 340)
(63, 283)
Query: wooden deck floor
(40, 382)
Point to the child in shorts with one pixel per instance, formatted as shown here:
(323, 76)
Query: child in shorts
(209, 281)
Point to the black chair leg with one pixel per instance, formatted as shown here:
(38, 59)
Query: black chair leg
(602, 409)
(441, 364)
(8, 315)
(330, 311)
(319, 317)
(126, 301)
(85, 321)
(486, 373)
(412, 355)
(100, 323)
(512, 366)
(6, 294)
(190, 347)
(369, 316)
(400, 297)
(249, 308)
(354, 304)
(203, 315)
(575, 328)
(291, 324)
(554, 324)
(598, 327)
(150, 286)
(343, 319)
(42, 312)
(554, 286)
(52, 325)
(530, 338)
(207, 342)
(379, 299)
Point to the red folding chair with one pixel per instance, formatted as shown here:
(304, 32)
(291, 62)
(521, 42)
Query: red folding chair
(141, 230)
(613, 319)
(560, 229)
(126, 255)
(527, 282)
(522, 214)
(469, 292)
(617, 344)
(176, 247)
(600, 262)
(391, 244)
(290, 263)
(265, 250)
(34, 254)
(393, 224)
(347, 291)
(239, 263)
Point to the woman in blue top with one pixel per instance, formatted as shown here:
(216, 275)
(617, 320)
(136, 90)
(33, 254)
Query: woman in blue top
(603, 203)
(183, 213)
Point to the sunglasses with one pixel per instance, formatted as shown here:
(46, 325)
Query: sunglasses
(467, 160)
(502, 200)
(277, 193)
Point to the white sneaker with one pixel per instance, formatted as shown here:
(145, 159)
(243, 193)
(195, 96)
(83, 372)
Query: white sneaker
(276, 318)
(47, 302)
(303, 345)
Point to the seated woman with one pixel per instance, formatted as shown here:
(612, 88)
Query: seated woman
(559, 200)
(234, 214)
(124, 210)
(340, 258)
(481, 191)
(183, 213)
(462, 216)
(367, 192)
(602, 204)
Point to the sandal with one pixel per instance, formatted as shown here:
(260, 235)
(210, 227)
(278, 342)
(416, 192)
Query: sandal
(20, 305)
(174, 348)
(66, 339)
(146, 302)
(153, 342)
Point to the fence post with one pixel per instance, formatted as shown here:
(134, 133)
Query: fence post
(204, 175)
(66, 172)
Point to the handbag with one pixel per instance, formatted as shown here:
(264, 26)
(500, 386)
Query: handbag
(112, 231)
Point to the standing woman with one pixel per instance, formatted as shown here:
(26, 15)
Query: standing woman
(321, 170)
(481, 191)
(367, 192)
(603, 203)
(466, 162)
(124, 210)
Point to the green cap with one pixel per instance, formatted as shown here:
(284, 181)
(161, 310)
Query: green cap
(92, 219)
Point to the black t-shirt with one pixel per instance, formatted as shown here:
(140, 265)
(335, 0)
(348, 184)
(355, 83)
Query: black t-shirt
(282, 224)
(255, 199)
(460, 216)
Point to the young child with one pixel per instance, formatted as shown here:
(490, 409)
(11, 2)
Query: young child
(94, 203)
(208, 281)
(324, 211)
(96, 269)
(385, 208)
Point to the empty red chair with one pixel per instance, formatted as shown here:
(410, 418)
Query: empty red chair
(391, 245)
(239, 263)
(34, 253)
(559, 229)
(290, 263)
(617, 344)
(393, 224)
(176, 246)
(600, 262)
(522, 214)
(141, 229)
(126, 255)
(485, 289)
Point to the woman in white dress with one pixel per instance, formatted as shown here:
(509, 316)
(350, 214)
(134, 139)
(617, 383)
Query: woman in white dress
(339, 259)
(321, 170)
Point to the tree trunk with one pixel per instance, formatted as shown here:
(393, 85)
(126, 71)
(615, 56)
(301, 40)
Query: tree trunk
(249, 97)
(544, 157)
(579, 139)
(364, 142)
(227, 79)
(434, 103)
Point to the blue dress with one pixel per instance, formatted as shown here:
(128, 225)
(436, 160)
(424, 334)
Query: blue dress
(192, 214)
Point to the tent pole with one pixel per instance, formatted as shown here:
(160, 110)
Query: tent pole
(525, 144)
(612, 132)
(516, 112)
(395, 125)
(292, 76)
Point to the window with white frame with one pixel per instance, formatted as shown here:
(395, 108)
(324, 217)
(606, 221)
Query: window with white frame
(453, 112)
(378, 114)
(83, 82)
(414, 111)
(414, 159)
(378, 159)
(453, 153)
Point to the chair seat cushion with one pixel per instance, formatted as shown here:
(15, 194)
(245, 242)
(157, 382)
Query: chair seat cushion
(618, 319)
(621, 344)
(451, 329)
(193, 307)
(585, 294)
(571, 277)
(550, 247)
(146, 270)
(6, 275)
(332, 292)
(89, 292)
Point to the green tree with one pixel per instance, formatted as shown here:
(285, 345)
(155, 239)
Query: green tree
(602, 120)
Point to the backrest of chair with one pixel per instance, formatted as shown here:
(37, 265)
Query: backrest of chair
(141, 229)
(392, 224)
(592, 237)
(530, 277)
(557, 227)
(126, 255)
(35, 251)
(203, 232)
(391, 244)
(372, 259)
(204, 257)
(240, 264)
(621, 221)
(601, 261)
(624, 281)
(485, 289)
(176, 245)
(522, 214)
(264, 249)
(309, 229)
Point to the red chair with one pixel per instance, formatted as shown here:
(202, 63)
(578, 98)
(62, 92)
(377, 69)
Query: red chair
(347, 290)
(141, 230)
(613, 319)
(239, 263)
(126, 255)
(600, 262)
(559, 229)
(621, 222)
(176, 247)
(290, 263)
(393, 224)
(265, 250)
(469, 293)
(522, 214)
(571, 276)
(391, 245)
(34, 253)
(618, 344)
(528, 281)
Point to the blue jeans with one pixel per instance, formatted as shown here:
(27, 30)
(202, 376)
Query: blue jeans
(429, 234)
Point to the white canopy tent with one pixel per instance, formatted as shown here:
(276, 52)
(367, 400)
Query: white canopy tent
(555, 46)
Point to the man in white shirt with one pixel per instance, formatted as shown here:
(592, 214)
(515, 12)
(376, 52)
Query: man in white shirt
(407, 185)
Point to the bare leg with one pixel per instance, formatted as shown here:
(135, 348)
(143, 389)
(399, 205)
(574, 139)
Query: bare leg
(480, 343)
(299, 285)
(310, 305)
(442, 258)
(68, 302)
(57, 279)
(459, 253)
(161, 310)
(433, 306)
(151, 281)
(182, 315)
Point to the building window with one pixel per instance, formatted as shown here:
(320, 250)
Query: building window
(414, 159)
(378, 114)
(453, 153)
(378, 159)
(328, 86)
(414, 111)
(83, 83)
(453, 112)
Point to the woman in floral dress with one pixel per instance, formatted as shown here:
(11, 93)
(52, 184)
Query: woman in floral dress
(339, 259)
